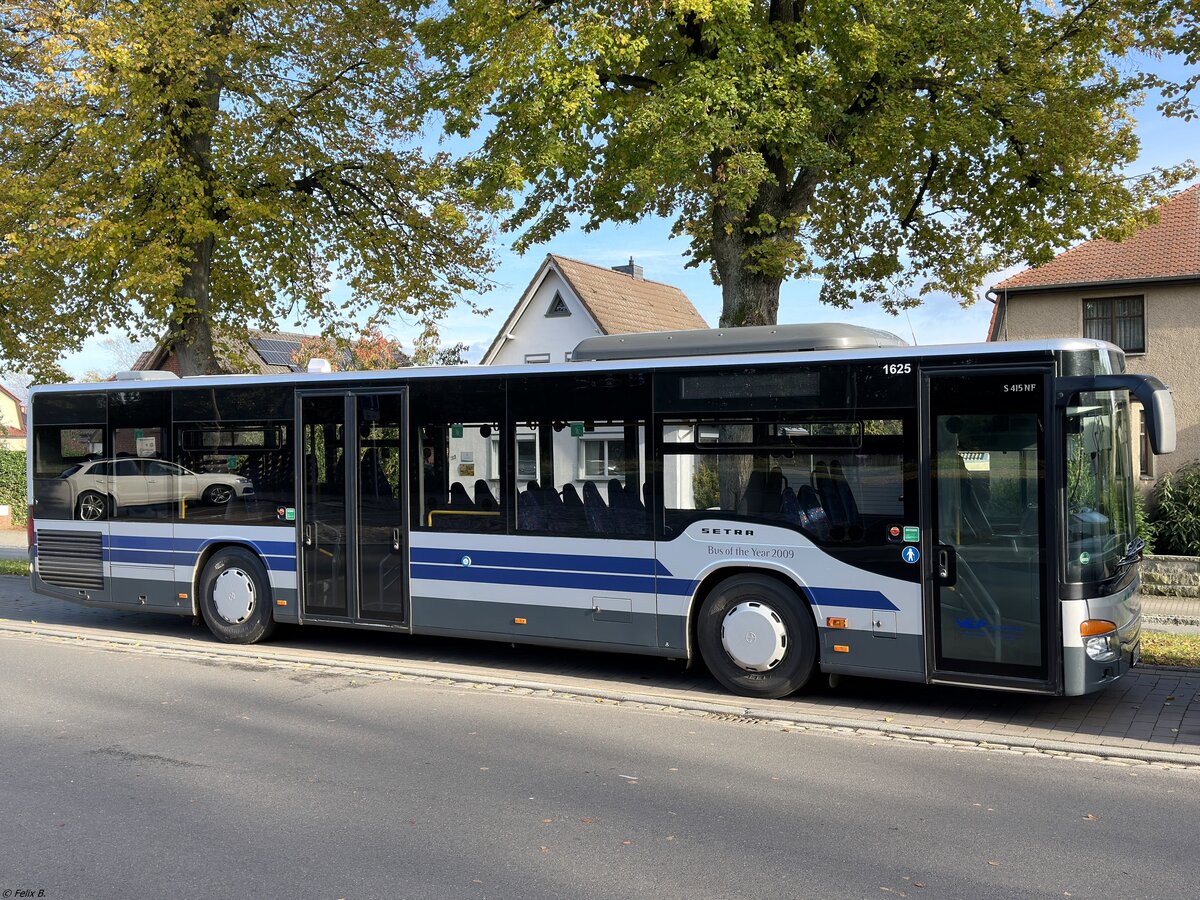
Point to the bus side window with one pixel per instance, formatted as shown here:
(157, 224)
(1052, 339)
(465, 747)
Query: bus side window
(457, 481)
(580, 456)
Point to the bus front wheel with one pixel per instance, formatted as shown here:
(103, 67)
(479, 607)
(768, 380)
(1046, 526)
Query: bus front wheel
(757, 636)
(235, 597)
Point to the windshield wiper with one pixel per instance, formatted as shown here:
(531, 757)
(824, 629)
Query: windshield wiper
(1133, 552)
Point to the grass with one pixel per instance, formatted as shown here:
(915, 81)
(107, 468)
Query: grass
(1162, 649)
(14, 567)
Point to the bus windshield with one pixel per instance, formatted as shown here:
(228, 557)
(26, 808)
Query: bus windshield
(1099, 485)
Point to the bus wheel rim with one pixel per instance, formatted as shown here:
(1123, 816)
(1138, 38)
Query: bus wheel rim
(754, 636)
(234, 596)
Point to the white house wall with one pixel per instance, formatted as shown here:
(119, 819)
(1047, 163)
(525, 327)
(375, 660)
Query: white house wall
(536, 333)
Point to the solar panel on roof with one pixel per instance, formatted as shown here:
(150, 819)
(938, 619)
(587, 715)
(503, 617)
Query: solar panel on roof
(275, 351)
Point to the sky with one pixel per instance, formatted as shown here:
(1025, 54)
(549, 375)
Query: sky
(939, 320)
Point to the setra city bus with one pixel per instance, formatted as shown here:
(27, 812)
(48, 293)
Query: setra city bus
(773, 501)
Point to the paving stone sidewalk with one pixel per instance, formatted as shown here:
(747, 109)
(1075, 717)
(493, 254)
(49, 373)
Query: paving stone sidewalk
(1154, 710)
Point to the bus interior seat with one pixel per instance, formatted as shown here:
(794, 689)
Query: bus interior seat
(812, 514)
(595, 509)
(531, 510)
(459, 498)
(573, 514)
(853, 522)
(831, 500)
(621, 511)
(849, 504)
(485, 500)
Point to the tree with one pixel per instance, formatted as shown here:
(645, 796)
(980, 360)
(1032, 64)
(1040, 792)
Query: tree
(894, 149)
(218, 164)
(370, 349)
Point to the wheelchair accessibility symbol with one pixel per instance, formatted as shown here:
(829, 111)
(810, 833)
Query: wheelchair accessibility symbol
(910, 555)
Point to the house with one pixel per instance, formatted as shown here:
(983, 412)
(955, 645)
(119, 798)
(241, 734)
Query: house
(12, 421)
(569, 300)
(262, 353)
(1142, 294)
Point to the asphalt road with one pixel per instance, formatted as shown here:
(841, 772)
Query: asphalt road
(131, 775)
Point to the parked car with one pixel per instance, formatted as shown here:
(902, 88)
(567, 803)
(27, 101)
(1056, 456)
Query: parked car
(99, 485)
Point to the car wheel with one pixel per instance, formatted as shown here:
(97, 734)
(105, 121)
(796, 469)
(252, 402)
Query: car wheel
(757, 636)
(92, 506)
(235, 597)
(219, 494)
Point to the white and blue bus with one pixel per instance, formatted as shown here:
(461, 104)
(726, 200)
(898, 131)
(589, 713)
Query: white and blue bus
(772, 501)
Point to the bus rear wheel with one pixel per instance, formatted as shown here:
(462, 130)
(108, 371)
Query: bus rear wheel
(757, 637)
(235, 597)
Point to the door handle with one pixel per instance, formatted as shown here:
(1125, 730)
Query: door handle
(308, 538)
(943, 563)
(395, 538)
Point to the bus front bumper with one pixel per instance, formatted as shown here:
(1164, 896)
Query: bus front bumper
(1089, 669)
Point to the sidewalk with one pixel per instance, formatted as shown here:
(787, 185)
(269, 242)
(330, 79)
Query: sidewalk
(1152, 714)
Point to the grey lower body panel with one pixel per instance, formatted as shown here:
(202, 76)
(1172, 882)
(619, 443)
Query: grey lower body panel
(534, 624)
(901, 656)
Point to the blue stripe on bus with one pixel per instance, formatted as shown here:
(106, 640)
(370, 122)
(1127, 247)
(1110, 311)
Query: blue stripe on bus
(851, 598)
(184, 545)
(506, 559)
(536, 578)
(167, 557)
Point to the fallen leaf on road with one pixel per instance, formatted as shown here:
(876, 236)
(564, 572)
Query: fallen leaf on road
(547, 821)
(626, 843)
(587, 820)
(1091, 818)
(992, 862)
(545, 849)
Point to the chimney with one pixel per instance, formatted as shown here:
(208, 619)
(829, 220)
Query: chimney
(633, 271)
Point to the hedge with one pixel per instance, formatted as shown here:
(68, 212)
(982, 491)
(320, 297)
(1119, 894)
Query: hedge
(12, 483)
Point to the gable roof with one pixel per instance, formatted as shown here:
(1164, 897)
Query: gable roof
(1166, 250)
(264, 353)
(619, 302)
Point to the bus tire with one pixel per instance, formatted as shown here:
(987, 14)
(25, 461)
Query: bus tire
(235, 597)
(757, 636)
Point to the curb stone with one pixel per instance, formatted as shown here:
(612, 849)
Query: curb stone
(952, 738)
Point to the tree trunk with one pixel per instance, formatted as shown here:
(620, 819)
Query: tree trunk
(191, 333)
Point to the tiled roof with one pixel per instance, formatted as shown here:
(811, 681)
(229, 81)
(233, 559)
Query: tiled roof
(261, 354)
(1168, 249)
(619, 302)
(622, 304)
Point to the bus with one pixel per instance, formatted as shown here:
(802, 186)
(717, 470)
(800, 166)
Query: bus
(772, 501)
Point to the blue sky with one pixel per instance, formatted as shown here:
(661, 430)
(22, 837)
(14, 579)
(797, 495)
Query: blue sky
(939, 320)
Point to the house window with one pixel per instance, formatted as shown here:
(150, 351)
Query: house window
(603, 458)
(537, 357)
(558, 306)
(1118, 320)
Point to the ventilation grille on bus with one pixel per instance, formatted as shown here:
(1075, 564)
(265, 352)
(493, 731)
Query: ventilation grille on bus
(71, 559)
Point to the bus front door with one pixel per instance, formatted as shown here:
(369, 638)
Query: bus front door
(989, 602)
(351, 531)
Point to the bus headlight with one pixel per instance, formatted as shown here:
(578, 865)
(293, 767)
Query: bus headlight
(1100, 639)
